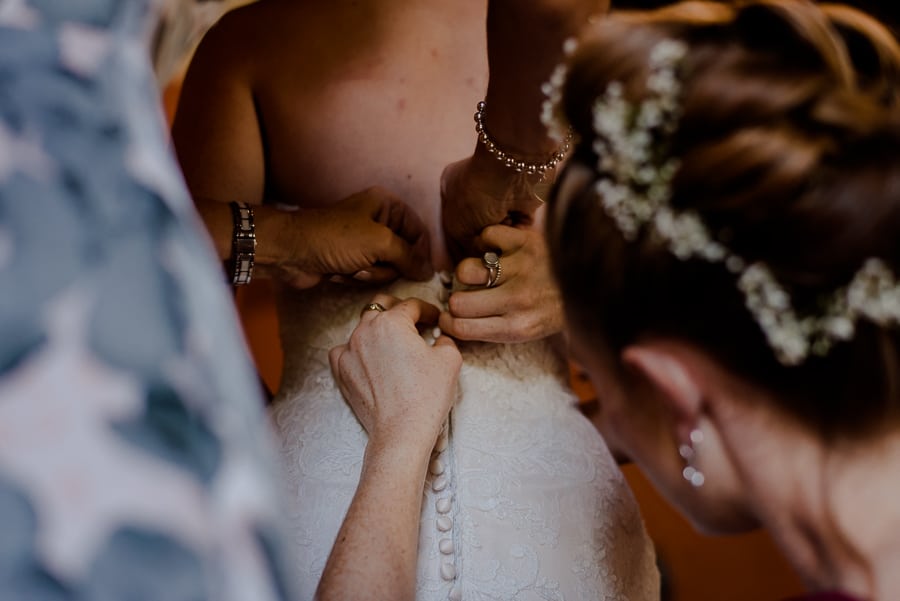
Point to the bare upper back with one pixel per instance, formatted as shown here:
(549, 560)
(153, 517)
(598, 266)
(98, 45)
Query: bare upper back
(350, 94)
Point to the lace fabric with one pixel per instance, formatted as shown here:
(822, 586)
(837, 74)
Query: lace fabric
(523, 500)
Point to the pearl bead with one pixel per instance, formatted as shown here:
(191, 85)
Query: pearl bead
(518, 165)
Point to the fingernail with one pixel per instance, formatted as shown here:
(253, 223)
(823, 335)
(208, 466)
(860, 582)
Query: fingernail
(363, 276)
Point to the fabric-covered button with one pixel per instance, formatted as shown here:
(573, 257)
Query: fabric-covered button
(455, 594)
(439, 484)
(441, 444)
(443, 505)
(444, 524)
(436, 467)
(448, 571)
(446, 546)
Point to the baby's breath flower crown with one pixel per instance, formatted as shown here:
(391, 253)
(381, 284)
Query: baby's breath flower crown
(636, 170)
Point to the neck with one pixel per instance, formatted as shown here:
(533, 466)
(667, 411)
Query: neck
(832, 507)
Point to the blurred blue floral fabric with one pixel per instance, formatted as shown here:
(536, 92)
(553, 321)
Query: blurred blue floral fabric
(134, 454)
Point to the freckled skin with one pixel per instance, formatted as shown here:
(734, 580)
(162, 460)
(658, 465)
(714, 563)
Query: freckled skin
(340, 96)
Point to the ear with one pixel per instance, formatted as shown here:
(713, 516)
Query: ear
(669, 372)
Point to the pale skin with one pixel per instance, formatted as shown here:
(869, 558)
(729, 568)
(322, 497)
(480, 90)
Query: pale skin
(829, 505)
(240, 135)
(274, 109)
(506, 312)
(375, 554)
(763, 467)
(524, 46)
(308, 103)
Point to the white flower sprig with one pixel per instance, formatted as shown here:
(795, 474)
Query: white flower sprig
(636, 170)
(635, 185)
(873, 294)
(551, 113)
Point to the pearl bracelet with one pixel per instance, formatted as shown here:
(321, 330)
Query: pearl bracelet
(520, 166)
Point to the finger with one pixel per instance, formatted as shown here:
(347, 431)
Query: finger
(376, 274)
(418, 311)
(409, 261)
(334, 356)
(486, 329)
(334, 359)
(507, 239)
(405, 222)
(422, 251)
(385, 300)
(472, 272)
(475, 304)
(351, 374)
(445, 341)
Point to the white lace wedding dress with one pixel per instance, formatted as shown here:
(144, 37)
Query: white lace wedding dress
(523, 501)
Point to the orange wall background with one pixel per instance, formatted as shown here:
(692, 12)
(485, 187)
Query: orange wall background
(698, 568)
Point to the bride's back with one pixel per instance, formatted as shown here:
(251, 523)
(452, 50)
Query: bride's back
(351, 94)
(523, 499)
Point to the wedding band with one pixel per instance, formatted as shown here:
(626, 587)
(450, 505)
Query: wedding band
(373, 307)
(491, 262)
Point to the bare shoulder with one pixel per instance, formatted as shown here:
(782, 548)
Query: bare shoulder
(253, 43)
(233, 45)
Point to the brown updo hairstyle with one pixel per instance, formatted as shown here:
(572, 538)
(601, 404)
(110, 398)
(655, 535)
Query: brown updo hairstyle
(789, 146)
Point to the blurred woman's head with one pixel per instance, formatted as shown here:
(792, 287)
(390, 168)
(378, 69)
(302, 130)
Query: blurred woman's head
(721, 233)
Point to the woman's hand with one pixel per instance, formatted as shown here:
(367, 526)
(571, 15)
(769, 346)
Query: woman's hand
(478, 192)
(400, 388)
(524, 305)
(370, 236)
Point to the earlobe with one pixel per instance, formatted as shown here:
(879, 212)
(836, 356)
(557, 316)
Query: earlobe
(670, 374)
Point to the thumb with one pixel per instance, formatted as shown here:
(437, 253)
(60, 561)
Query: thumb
(411, 261)
(451, 359)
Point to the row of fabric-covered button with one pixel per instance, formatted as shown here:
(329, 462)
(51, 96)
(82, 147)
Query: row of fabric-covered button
(440, 484)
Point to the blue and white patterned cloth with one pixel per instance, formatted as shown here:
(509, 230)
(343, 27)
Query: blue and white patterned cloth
(134, 458)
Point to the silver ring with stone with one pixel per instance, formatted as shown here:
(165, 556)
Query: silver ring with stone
(491, 262)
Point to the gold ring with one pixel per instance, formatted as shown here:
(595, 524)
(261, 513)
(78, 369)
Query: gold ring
(491, 262)
(373, 307)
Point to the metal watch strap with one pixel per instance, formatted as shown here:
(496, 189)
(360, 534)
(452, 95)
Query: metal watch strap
(243, 243)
